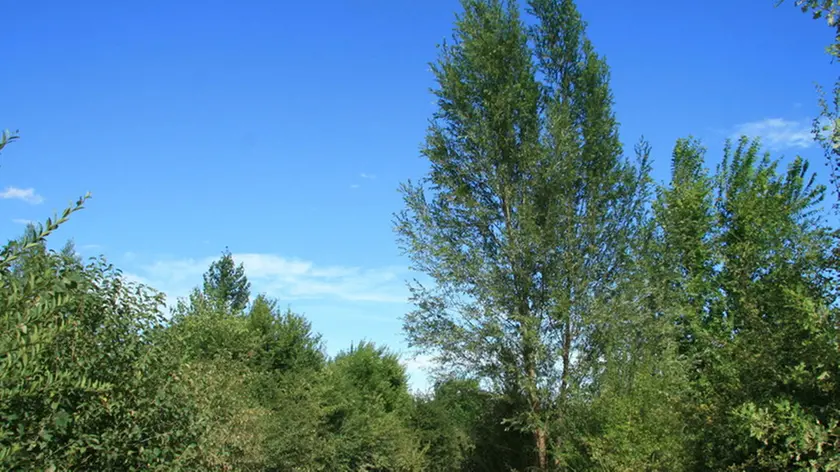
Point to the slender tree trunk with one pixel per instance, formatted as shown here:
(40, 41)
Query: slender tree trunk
(532, 390)
(567, 351)
(539, 430)
(542, 453)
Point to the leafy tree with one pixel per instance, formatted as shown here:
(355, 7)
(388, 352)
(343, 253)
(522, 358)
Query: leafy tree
(812, 440)
(225, 283)
(234, 423)
(298, 437)
(81, 385)
(260, 381)
(774, 249)
(90, 380)
(293, 385)
(461, 428)
(446, 421)
(531, 206)
(204, 330)
(286, 340)
(369, 412)
(744, 266)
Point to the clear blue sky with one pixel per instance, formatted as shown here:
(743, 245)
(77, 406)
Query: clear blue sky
(282, 129)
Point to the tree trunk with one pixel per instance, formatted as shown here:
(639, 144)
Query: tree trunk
(542, 453)
(539, 428)
(567, 351)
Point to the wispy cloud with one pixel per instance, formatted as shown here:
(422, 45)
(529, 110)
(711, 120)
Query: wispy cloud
(367, 176)
(355, 186)
(28, 195)
(420, 369)
(22, 221)
(283, 278)
(419, 362)
(778, 133)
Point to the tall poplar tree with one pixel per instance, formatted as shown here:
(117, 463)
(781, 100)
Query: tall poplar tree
(525, 218)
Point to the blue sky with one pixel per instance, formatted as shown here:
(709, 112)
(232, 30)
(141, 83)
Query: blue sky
(282, 129)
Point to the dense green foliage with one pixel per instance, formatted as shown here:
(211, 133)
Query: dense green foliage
(529, 227)
(582, 318)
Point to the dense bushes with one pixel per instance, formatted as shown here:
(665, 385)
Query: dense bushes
(719, 354)
(82, 385)
(583, 319)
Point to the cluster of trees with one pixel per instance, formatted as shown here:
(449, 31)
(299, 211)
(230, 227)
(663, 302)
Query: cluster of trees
(582, 317)
(94, 377)
(627, 326)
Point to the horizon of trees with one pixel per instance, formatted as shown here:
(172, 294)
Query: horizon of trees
(582, 317)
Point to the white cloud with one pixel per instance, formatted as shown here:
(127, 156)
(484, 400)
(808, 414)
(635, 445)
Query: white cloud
(283, 278)
(367, 176)
(420, 362)
(419, 369)
(22, 221)
(355, 186)
(778, 133)
(26, 194)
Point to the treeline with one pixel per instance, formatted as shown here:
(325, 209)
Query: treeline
(624, 325)
(583, 318)
(94, 379)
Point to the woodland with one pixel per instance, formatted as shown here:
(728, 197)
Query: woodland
(581, 317)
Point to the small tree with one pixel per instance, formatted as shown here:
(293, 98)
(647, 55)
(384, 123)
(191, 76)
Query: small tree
(286, 340)
(369, 412)
(225, 283)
